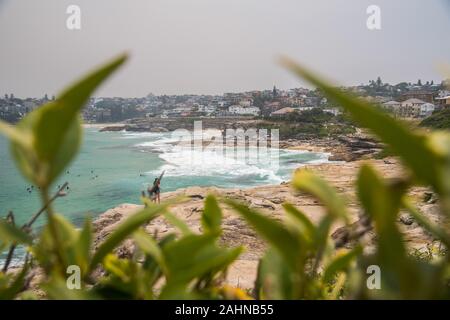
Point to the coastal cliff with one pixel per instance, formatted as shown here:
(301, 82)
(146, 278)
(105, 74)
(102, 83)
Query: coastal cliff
(269, 199)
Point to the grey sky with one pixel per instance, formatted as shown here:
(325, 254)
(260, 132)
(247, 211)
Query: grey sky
(216, 46)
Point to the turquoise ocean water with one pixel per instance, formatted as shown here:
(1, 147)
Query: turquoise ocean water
(113, 167)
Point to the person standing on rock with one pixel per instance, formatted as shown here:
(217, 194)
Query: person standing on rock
(155, 191)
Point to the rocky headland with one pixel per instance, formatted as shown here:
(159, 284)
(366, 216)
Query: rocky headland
(269, 200)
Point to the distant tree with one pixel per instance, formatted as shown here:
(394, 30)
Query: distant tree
(45, 97)
(258, 101)
(116, 113)
(379, 82)
(446, 83)
(432, 82)
(419, 82)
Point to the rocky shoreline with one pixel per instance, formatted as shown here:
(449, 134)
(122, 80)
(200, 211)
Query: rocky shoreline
(269, 199)
(340, 148)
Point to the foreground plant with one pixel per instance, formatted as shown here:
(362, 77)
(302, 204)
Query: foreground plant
(43, 144)
(301, 263)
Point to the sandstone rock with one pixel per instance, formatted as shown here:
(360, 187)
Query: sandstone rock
(159, 129)
(113, 128)
(406, 219)
(260, 203)
(268, 199)
(197, 192)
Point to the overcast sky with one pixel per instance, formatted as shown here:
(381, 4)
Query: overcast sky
(216, 46)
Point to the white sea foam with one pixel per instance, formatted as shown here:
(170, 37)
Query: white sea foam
(184, 160)
(138, 135)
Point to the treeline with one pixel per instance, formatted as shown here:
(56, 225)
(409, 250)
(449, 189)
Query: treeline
(311, 123)
(438, 120)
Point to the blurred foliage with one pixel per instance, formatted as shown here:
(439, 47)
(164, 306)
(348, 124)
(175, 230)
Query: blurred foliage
(301, 261)
(438, 120)
(309, 123)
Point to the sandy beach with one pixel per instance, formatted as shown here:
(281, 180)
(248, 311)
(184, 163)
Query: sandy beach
(97, 125)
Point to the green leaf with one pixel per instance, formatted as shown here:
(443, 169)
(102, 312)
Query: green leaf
(179, 255)
(439, 142)
(274, 232)
(194, 256)
(46, 250)
(56, 289)
(300, 220)
(151, 266)
(124, 230)
(322, 239)
(305, 180)
(275, 280)
(12, 287)
(382, 202)
(78, 93)
(338, 286)
(341, 263)
(178, 223)
(56, 129)
(15, 135)
(149, 246)
(402, 141)
(120, 268)
(12, 234)
(379, 200)
(83, 246)
(212, 215)
(435, 230)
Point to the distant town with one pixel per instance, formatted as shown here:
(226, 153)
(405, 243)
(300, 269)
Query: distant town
(404, 100)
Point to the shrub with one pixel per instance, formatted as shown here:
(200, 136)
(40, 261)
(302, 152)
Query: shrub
(438, 120)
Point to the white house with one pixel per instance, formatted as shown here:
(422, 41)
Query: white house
(301, 109)
(443, 99)
(411, 108)
(412, 103)
(392, 106)
(333, 111)
(246, 102)
(426, 109)
(181, 109)
(206, 109)
(254, 111)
